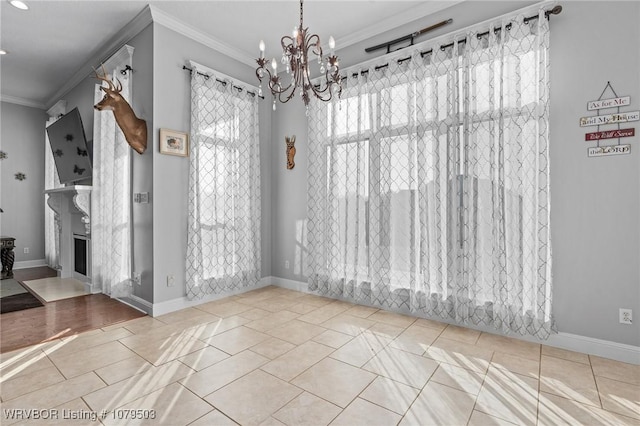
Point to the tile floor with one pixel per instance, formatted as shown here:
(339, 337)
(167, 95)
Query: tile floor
(274, 356)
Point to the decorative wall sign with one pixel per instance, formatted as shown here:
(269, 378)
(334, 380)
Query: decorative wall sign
(609, 103)
(603, 151)
(610, 134)
(620, 117)
(609, 119)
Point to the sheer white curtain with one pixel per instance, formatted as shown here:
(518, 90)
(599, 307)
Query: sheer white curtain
(223, 243)
(428, 181)
(111, 194)
(51, 225)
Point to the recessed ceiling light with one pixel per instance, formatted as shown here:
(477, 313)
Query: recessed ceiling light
(3, 52)
(19, 4)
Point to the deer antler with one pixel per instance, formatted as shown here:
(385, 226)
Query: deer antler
(104, 77)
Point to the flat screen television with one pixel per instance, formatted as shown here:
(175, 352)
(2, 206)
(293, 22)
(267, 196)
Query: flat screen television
(69, 148)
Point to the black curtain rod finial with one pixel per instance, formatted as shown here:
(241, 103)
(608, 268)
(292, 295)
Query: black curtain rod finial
(555, 11)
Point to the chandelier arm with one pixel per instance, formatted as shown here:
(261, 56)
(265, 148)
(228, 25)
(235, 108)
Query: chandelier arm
(314, 46)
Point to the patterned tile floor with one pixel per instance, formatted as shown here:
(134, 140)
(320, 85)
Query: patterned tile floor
(274, 356)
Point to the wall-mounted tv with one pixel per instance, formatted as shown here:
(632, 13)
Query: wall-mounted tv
(69, 148)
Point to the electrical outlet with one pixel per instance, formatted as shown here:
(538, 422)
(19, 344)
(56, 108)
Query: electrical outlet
(626, 316)
(286, 264)
(170, 280)
(26, 250)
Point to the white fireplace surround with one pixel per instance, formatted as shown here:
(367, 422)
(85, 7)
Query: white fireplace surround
(72, 208)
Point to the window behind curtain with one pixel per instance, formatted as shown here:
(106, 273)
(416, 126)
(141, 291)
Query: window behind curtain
(223, 247)
(428, 182)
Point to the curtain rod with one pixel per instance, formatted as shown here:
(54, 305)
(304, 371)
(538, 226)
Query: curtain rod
(207, 76)
(555, 11)
(410, 37)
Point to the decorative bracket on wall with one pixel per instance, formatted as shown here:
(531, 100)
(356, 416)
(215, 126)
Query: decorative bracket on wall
(125, 69)
(409, 37)
(82, 201)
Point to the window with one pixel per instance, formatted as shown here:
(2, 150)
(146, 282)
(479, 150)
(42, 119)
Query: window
(223, 247)
(428, 186)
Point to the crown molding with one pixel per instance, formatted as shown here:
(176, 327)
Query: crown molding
(396, 21)
(102, 53)
(21, 101)
(166, 20)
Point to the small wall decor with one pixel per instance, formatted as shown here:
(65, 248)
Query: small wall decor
(609, 119)
(20, 176)
(3, 155)
(173, 142)
(291, 151)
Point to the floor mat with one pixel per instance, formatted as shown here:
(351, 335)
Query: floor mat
(9, 287)
(18, 302)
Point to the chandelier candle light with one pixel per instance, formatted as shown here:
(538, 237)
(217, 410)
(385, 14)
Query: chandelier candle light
(296, 56)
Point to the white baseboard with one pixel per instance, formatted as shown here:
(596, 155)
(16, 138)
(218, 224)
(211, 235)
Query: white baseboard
(589, 345)
(172, 305)
(140, 304)
(598, 347)
(30, 264)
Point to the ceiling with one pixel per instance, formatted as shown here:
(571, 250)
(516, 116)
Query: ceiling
(56, 40)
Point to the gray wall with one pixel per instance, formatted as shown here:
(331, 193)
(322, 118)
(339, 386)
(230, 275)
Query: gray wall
(595, 220)
(22, 138)
(82, 97)
(595, 210)
(142, 172)
(289, 193)
(170, 173)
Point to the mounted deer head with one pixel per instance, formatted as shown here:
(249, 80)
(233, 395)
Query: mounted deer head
(134, 128)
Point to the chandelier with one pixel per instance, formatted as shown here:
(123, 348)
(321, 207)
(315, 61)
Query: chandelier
(297, 51)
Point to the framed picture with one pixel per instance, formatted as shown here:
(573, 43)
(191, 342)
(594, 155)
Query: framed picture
(174, 143)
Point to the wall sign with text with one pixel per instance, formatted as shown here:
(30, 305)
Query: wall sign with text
(609, 119)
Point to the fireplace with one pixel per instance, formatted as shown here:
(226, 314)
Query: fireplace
(72, 207)
(80, 254)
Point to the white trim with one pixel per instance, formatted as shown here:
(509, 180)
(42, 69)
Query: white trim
(599, 347)
(58, 109)
(145, 306)
(172, 305)
(221, 76)
(168, 21)
(133, 28)
(21, 101)
(301, 286)
(30, 264)
(588, 345)
(120, 58)
(395, 21)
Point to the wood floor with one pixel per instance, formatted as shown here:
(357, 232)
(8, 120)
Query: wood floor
(59, 318)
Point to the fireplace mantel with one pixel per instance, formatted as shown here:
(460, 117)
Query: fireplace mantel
(68, 203)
